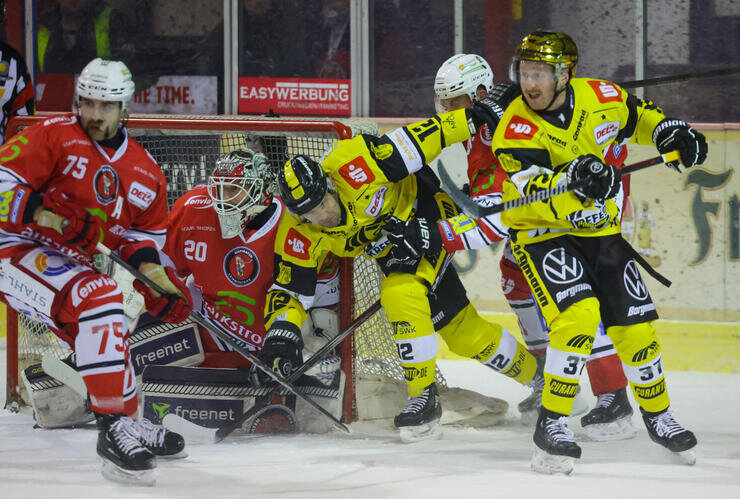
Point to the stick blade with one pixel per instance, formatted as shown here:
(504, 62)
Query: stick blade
(192, 432)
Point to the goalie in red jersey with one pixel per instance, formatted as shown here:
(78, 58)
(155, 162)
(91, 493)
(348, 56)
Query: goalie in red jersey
(67, 184)
(221, 238)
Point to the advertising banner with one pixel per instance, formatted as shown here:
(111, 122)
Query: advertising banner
(289, 96)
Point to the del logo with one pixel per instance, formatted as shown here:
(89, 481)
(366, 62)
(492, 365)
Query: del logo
(141, 196)
(376, 203)
(606, 131)
(241, 266)
(199, 202)
(105, 183)
(605, 91)
(51, 263)
(296, 245)
(520, 128)
(357, 173)
(161, 409)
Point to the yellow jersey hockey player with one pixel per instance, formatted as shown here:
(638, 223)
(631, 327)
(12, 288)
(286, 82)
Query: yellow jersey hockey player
(570, 248)
(344, 201)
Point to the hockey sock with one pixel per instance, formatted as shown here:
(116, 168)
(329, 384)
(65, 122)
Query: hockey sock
(640, 352)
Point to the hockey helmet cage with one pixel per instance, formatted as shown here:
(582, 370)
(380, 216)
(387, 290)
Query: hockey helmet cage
(107, 81)
(553, 48)
(462, 74)
(241, 186)
(302, 184)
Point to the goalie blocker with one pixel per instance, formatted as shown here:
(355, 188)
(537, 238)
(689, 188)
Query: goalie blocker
(214, 397)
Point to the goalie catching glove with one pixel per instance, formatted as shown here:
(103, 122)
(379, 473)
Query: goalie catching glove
(281, 352)
(671, 135)
(598, 181)
(173, 307)
(412, 238)
(77, 226)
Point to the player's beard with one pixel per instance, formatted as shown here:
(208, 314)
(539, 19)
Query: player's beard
(99, 130)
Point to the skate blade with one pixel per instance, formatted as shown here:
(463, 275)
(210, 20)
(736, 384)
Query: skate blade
(684, 457)
(180, 455)
(428, 431)
(117, 474)
(529, 418)
(620, 429)
(548, 464)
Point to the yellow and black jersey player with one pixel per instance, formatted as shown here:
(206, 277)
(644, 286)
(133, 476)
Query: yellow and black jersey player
(569, 247)
(344, 202)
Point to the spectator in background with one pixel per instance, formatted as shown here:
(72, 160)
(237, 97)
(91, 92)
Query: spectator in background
(330, 48)
(16, 88)
(72, 32)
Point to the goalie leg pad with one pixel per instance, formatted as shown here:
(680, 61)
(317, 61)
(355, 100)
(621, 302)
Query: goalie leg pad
(55, 405)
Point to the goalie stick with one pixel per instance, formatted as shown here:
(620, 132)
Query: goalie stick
(198, 318)
(202, 434)
(479, 212)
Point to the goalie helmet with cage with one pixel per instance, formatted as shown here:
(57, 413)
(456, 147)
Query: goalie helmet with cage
(462, 74)
(554, 49)
(241, 186)
(303, 184)
(109, 81)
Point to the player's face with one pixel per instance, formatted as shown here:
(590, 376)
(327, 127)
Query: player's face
(327, 213)
(538, 85)
(455, 103)
(100, 118)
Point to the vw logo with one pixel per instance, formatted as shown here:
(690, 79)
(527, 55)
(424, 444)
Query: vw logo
(633, 283)
(560, 267)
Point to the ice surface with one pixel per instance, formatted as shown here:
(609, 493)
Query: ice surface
(372, 462)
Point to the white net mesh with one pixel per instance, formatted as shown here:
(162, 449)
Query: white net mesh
(186, 156)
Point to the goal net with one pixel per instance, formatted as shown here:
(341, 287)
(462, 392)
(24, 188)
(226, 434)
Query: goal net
(186, 148)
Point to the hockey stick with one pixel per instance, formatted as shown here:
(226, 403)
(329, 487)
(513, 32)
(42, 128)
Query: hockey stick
(198, 318)
(214, 435)
(661, 80)
(64, 373)
(478, 211)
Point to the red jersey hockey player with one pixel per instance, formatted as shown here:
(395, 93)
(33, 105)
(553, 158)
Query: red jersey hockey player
(66, 184)
(221, 237)
(462, 79)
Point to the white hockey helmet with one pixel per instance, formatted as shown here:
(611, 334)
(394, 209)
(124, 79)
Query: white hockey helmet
(241, 186)
(107, 81)
(462, 74)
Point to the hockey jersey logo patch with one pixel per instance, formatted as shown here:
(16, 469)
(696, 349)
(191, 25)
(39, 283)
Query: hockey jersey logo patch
(140, 196)
(606, 131)
(241, 266)
(357, 173)
(199, 202)
(297, 245)
(605, 91)
(520, 129)
(105, 183)
(376, 203)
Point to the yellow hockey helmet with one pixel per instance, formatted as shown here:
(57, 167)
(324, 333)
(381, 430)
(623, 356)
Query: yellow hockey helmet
(556, 49)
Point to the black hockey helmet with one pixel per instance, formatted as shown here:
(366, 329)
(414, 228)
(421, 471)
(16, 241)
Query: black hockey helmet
(302, 184)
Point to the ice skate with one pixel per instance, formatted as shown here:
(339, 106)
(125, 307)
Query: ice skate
(666, 431)
(529, 407)
(556, 450)
(160, 442)
(125, 459)
(611, 419)
(420, 419)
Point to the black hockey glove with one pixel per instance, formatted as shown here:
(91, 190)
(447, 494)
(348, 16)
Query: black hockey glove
(671, 135)
(413, 237)
(485, 111)
(599, 181)
(281, 352)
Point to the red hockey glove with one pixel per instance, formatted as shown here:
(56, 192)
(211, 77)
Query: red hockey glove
(77, 226)
(173, 307)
